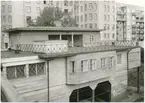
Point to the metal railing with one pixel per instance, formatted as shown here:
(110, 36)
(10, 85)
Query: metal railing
(64, 48)
(38, 48)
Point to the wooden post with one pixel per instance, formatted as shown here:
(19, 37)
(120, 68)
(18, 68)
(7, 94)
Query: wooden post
(93, 95)
(138, 80)
(27, 70)
(77, 95)
(72, 39)
(60, 37)
(4, 72)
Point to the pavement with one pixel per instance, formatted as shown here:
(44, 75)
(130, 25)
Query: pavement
(134, 96)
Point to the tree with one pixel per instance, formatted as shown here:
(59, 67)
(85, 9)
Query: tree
(51, 14)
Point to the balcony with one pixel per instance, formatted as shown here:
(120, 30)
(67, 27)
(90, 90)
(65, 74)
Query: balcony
(62, 46)
(51, 46)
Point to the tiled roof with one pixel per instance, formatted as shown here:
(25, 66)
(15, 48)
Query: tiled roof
(53, 29)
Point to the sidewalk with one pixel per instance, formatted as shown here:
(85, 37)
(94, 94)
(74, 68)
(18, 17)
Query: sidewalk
(131, 98)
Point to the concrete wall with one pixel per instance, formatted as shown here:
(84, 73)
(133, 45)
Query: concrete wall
(82, 77)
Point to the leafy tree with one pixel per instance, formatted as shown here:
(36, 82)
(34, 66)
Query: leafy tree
(51, 14)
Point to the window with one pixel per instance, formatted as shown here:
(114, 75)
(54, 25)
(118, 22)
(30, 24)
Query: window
(108, 17)
(108, 8)
(113, 35)
(91, 38)
(81, 8)
(81, 18)
(3, 8)
(105, 26)
(84, 65)
(77, 17)
(108, 35)
(36, 69)
(113, 18)
(95, 6)
(113, 27)
(13, 72)
(90, 6)
(9, 8)
(105, 35)
(113, 9)
(44, 2)
(95, 25)
(66, 10)
(108, 26)
(28, 19)
(85, 17)
(93, 64)
(102, 62)
(6, 45)
(95, 16)
(72, 66)
(110, 61)
(105, 17)
(90, 16)
(85, 6)
(4, 18)
(9, 18)
(71, 3)
(82, 26)
(65, 3)
(86, 25)
(28, 9)
(119, 59)
(90, 25)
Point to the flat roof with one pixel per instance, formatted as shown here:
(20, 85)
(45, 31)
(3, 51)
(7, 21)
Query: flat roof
(52, 29)
(12, 54)
(71, 52)
(83, 50)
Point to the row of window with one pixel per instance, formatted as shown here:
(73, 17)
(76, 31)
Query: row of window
(28, 9)
(6, 7)
(90, 25)
(107, 36)
(107, 8)
(107, 26)
(6, 18)
(89, 16)
(6, 27)
(91, 6)
(19, 71)
(92, 64)
(108, 18)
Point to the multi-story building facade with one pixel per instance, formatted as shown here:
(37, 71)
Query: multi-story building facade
(12, 17)
(130, 22)
(48, 69)
(97, 14)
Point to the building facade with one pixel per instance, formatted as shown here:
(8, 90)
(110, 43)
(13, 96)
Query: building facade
(97, 14)
(130, 22)
(99, 72)
(12, 17)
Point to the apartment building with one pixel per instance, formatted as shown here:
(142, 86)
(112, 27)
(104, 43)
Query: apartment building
(130, 22)
(97, 14)
(48, 69)
(18, 14)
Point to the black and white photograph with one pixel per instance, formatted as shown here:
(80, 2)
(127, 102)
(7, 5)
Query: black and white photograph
(72, 50)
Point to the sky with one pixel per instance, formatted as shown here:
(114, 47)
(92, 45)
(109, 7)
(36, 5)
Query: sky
(133, 2)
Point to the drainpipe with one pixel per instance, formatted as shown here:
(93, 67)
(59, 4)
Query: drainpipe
(48, 77)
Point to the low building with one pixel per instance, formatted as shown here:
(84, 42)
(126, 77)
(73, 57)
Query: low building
(80, 73)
